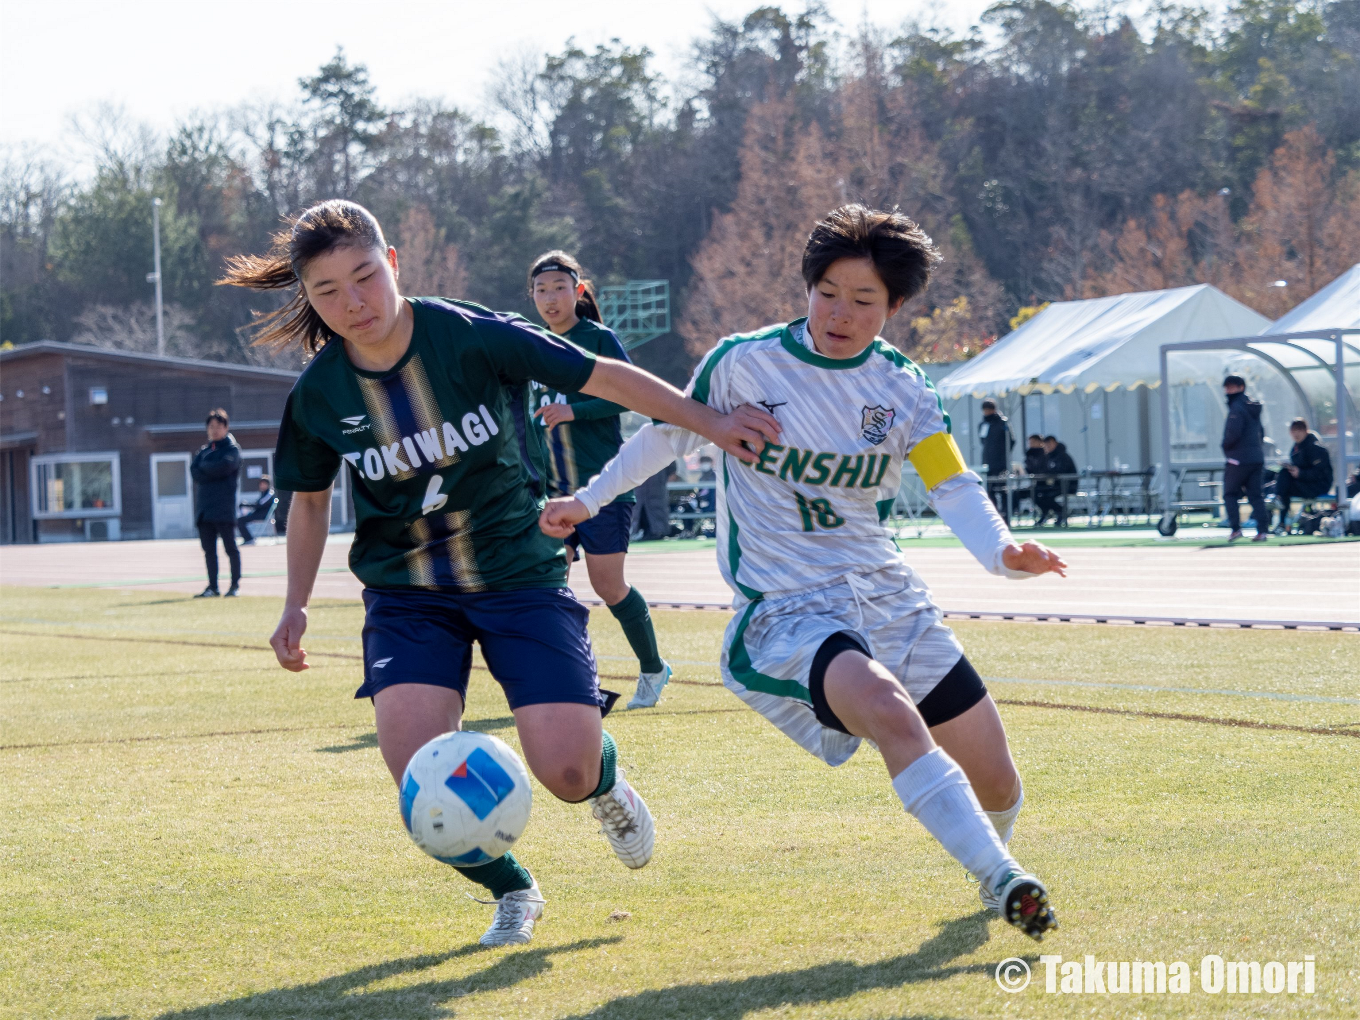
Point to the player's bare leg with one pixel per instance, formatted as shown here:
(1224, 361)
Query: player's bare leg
(870, 702)
(566, 747)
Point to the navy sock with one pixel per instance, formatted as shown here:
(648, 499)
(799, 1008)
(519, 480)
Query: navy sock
(503, 875)
(636, 621)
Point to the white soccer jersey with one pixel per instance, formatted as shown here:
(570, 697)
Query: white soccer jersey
(811, 509)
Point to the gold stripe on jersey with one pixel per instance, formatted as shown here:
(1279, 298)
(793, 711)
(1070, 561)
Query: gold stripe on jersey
(461, 554)
(573, 480)
(385, 429)
(419, 563)
(458, 545)
(937, 459)
(423, 405)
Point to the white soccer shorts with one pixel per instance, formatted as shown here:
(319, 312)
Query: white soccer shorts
(770, 644)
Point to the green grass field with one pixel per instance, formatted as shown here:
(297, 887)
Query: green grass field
(187, 831)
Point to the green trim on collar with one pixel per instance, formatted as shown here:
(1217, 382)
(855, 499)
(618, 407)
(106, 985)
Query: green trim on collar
(819, 360)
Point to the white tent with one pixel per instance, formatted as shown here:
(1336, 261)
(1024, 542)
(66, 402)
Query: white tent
(1337, 304)
(1101, 343)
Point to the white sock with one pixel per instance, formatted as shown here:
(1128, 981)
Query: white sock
(936, 791)
(1004, 821)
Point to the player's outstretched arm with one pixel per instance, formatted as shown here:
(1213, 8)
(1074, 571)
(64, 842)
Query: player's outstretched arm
(1033, 558)
(309, 520)
(740, 433)
(652, 448)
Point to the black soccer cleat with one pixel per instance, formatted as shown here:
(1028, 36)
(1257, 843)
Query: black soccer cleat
(1023, 901)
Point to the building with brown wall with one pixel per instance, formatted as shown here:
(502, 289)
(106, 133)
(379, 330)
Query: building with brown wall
(95, 444)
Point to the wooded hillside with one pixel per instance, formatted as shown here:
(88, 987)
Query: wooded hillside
(1070, 155)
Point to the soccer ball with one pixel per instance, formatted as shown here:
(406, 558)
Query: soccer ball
(465, 798)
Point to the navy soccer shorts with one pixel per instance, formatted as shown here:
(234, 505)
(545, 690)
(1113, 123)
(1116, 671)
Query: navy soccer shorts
(606, 532)
(534, 641)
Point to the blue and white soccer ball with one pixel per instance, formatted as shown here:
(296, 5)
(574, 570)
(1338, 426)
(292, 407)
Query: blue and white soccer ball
(465, 798)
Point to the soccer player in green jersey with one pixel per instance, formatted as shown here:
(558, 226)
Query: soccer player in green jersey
(424, 401)
(583, 434)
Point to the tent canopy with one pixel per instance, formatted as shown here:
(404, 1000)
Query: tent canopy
(1335, 305)
(1101, 343)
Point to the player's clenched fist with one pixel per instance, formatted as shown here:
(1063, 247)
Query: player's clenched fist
(560, 517)
(287, 639)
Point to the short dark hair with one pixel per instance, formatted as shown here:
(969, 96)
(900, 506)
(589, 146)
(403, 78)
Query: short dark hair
(217, 414)
(902, 253)
(1235, 380)
(1299, 423)
(1050, 439)
(1037, 436)
(989, 402)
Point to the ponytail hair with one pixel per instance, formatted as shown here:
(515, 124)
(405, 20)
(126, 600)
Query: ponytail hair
(318, 231)
(560, 262)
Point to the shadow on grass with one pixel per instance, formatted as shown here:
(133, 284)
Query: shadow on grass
(370, 740)
(500, 722)
(825, 983)
(157, 602)
(359, 743)
(343, 996)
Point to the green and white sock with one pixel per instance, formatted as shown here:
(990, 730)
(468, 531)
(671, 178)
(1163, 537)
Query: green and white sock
(501, 876)
(636, 621)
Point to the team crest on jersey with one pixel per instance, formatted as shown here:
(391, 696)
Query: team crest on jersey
(876, 423)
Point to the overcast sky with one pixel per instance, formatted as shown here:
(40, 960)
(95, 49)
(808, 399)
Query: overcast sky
(162, 59)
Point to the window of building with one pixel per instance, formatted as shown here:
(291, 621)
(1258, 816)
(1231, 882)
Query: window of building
(76, 485)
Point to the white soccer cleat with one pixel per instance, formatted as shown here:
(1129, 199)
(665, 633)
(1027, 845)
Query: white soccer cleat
(649, 686)
(989, 898)
(625, 822)
(516, 913)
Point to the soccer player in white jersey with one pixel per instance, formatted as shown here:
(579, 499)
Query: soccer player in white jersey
(836, 639)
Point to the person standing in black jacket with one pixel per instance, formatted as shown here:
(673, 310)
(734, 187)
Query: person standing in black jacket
(997, 441)
(1308, 473)
(1244, 459)
(215, 469)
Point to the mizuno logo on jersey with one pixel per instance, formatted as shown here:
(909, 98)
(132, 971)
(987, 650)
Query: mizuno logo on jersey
(424, 448)
(771, 406)
(876, 422)
(865, 470)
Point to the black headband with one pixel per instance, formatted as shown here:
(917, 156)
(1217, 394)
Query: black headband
(555, 267)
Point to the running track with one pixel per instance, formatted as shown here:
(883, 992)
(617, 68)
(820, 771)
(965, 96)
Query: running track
(1301, 583)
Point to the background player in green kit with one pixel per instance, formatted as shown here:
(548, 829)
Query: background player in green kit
(424, 402)
(583, 435)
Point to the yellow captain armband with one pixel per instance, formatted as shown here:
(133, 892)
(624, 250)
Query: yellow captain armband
(937, 459)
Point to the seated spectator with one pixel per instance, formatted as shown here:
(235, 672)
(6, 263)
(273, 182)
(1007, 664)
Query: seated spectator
(1036, 457)
(255, 510)
(1308, 473)
(1048, 493)
(707, 496)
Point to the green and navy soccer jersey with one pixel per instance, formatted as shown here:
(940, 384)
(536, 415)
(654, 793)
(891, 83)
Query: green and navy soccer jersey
(439, 450)
(578, 449)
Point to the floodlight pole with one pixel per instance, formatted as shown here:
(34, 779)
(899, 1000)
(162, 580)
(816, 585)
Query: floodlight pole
(155, 277)
(1341, 474)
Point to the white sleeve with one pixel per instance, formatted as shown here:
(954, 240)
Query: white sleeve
(963, 505)
(650, 450)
